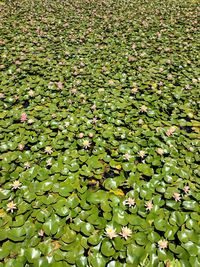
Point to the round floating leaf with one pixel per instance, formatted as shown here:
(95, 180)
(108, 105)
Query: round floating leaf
(17, 234)
(81, 262)
(140, 238)
(3, 235)
(60, 207)
(160, 224)
(118, 243)
(164, 255)
(145, 169)
(190, 205)
(107, 248)
(94, 239)
(69, 235)
(87, 229)
(120, 216)
(135, 254)
(114, 264)
(31, 254)
(192, 248)
(51, 225)
(96, 197)
(96, 259)
(4, 252)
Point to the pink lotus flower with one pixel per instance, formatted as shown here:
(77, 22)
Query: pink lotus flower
(60, 85)
(186, 189)
(94, 120)
(149, 205)
(41, 233)
(130, 202)
(2, 95)
(171, 130)
(23, 117)
(81, 135)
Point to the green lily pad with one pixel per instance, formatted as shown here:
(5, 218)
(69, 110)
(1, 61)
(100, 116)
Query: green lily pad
(145, 169)
(31, 254)
(69, 235)
(107, 249)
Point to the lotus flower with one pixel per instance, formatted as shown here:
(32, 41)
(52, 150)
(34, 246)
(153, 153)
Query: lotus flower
(110, 232)
(23, 117)
(142, 153)
(186, 189)
(91, 135)
(21, 147)
(59, 85)
(81, 135)
(160, 151)
(143, 108)
(177, 197)
(31, 93)
(86, 144)
(16, 184)
(73, 91)
(27, 165)
(170, 131)
(140, 121)
(130, 202)
(126, 232)
(162, 244)
(49, 162)
(11, 206)
(149, 205)
(2, 95)
(134, 90)
(93, 107)
(41, 233)
(127, 156)
(48, 150)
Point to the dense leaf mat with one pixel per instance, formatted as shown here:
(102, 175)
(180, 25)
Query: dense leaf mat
(99, 133)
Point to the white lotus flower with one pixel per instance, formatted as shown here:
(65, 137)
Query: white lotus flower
(162, 244)
(177, 197)
(27, 165)
(48, 150)
(143, 108)
(11, 206)
(16, 184)
(142, 153)
(127, 156)
(110, 232)
(86, 144)
(160, 151)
